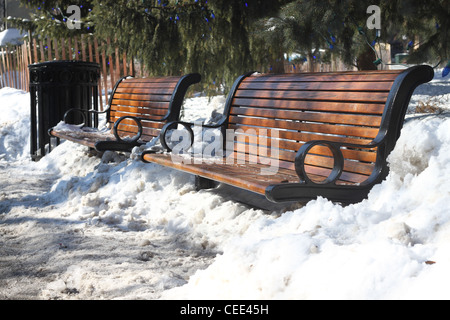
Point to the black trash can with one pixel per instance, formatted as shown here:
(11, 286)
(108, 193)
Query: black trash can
(56, 87)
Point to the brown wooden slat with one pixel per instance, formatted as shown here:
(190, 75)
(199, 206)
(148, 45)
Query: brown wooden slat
(74, 138)
(139, 111)
(349, 166)
(157, 91)
(148, 133)
(308, 116)
(333, 77)
(353, 172)
(287, 168)
(302, 136)
(150, 97)
(311, 105)
(360, 155)
(346, 177)
(309, 127)
(129, 84)
(141, 103)
(139, 115)
(320, 157)
(318, 86)
(154, 80)
(126, 125)
(377, 97)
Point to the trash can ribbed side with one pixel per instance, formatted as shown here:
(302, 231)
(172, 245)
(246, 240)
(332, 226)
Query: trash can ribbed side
(55, 87)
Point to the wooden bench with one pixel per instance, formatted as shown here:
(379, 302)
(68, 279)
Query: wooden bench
(325, 134)
(137, 110)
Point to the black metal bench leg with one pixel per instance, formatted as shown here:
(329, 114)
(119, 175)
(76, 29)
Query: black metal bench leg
(204, 183)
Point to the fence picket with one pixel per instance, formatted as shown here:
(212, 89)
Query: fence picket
(114, 64)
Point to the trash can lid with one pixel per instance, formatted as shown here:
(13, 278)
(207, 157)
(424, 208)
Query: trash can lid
(64, 63)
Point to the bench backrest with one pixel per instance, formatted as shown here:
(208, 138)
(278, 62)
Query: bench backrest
(350, 107)
(155, 100)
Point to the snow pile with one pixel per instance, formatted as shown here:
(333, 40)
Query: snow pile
(384, 247)
(208, 245)
(14, 124)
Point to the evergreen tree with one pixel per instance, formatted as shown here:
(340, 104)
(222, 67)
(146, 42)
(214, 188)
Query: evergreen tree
(209, 37)
(319, 29)
(168, 36)
(339, 27)
(426, 27)
(222, 39)
(53, 18)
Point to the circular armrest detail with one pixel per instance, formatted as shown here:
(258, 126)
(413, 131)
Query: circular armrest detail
(174, 125)
(128, 139)
(82, 112)
(338, 158)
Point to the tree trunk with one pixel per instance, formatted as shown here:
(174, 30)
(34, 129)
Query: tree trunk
(310, 62)
(365, 60)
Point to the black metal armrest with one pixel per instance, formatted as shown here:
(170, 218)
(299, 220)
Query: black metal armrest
(338, 161)
(80, 111)
(99, 112)
(83, 113)
(128, 140)
(173, 125)
(335, 148)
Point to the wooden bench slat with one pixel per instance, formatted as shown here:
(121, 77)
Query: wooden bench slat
(345, 130)
(318, 86)
(156, 91)
(377, 97)
(139, 114)
(142, 117)
(314, 160)
(265, 145)
(173, 79)
(361, 120)
(139, 111)
(150, 133)
(289, 156)
(148, 97)
(300, 136)
(333, 77)
(342, 107)
(131, 131)
(244, 161)
(319, 157)
(150, 85)
(147, 133)
(145, 124)
(349, 178)
(140, 103)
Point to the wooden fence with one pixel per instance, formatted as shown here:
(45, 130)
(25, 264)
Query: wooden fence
(114, 64)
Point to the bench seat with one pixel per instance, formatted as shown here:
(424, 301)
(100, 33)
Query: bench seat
(322, 134)
(138, 109)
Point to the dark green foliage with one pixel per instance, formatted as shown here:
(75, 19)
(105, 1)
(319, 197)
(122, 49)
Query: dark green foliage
(339, 27)
(429, 23)
(51, 17)
(172, 36)
(222, 39)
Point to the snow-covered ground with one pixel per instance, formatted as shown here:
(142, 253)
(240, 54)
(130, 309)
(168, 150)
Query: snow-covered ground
(74, 226)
